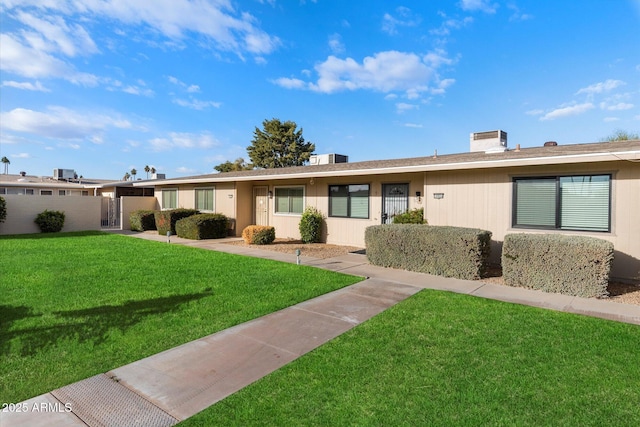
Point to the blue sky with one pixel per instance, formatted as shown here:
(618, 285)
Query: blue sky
(104, 86)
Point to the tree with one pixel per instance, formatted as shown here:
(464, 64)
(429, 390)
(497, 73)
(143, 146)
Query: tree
(621, 135)
(238, 165)
(147, 169)
(279, 145)
(6, 165)
(153, 170)
(134, 172)
(126, 176)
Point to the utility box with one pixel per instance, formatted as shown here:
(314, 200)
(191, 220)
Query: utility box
(64, 174)
(494, 141)
(326, 159)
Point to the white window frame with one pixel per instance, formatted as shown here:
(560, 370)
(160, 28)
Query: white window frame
(63, 193)
(288, 187)
(349, 201)
(213, 198)
(29, 192)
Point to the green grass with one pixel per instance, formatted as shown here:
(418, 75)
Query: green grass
(447, 359)
(77, 304)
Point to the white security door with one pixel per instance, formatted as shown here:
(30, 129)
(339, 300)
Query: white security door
(260, 206)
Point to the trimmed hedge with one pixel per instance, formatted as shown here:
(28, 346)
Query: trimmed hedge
(202, 226)
(3, 209)
(142, 220)
(50, 221)
(166, 220)
(571, 265)
(444, 251)
(310, 225)
(414, 216)
(259, 234)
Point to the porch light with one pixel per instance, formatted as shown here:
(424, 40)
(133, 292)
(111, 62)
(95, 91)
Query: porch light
(418, 195)
(270, 194)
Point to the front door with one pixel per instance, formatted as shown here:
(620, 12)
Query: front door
(260, 206)
(395, 201)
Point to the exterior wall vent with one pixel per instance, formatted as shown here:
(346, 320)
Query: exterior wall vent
(326, 159)
(494, 141)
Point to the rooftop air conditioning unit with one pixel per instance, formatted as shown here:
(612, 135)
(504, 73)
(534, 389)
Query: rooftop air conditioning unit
(64, 174)
(325, 159)
(494, 141)
(158, 176)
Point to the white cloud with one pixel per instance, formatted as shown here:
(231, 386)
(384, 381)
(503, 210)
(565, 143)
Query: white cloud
(616, 107)
(217, 22)
(601, 87)
(290, 83)
(572, 110)
(186, 170)
(196, 104)
(401, 107)
(60, 123)
(451, 24)
(611, 119)
(404, 17)
(37, 86)
(335, 44)
(21, 156)
(412, 125)
(481, 5)
(27, 61)
(184, 140)
(517, 15)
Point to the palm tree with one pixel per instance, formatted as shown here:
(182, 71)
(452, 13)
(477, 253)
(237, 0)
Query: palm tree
(126, 176)
(134, 172)
(153, 170)
(147, 169)
(6, 165)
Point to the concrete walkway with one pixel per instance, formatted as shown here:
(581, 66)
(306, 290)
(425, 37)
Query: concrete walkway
(171, 386)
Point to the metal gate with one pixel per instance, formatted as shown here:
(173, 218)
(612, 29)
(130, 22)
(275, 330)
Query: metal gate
(260, 205)
(110, 213)
(395, 201)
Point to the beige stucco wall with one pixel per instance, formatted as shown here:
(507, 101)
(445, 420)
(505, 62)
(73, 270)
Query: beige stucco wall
(483, 199)
(81, 213)
(130, 204)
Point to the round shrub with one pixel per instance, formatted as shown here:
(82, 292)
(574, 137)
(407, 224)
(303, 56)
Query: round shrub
(50, 221)
(310, 225)
(414, 216)
(203, 226)
(259, 234)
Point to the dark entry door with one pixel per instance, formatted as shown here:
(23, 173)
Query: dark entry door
(395, 201)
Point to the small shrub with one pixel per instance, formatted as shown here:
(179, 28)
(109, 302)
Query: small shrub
(166, 220)
(571, 265)
(414, 216)
(310, 225)
(444, 251)
(142, 220)
(202, 226)
(50, 221)
(259, 234)
(3, 209)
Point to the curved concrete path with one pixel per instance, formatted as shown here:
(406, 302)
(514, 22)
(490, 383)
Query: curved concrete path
(168, 387)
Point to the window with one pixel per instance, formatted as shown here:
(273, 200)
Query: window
(3, 190)
(62, 192)
(349, 201)
(563, 202)
(85, 192)
(204, 199)
(46, 192)
(289, 200)
(169, 199)
(29, 191)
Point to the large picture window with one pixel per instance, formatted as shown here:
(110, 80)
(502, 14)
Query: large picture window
(204, 199)
(169, 199)
(563, 202)
(289, 200)
(349, 201)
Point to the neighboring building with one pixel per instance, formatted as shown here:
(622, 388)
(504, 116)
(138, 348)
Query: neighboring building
(587, 189)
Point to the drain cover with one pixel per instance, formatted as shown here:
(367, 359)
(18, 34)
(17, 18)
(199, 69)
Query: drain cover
(101, 401)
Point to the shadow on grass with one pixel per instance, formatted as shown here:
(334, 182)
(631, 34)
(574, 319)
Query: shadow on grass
(93, 325)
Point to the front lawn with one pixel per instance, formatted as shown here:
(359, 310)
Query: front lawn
(446, 359)
(77, 304)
